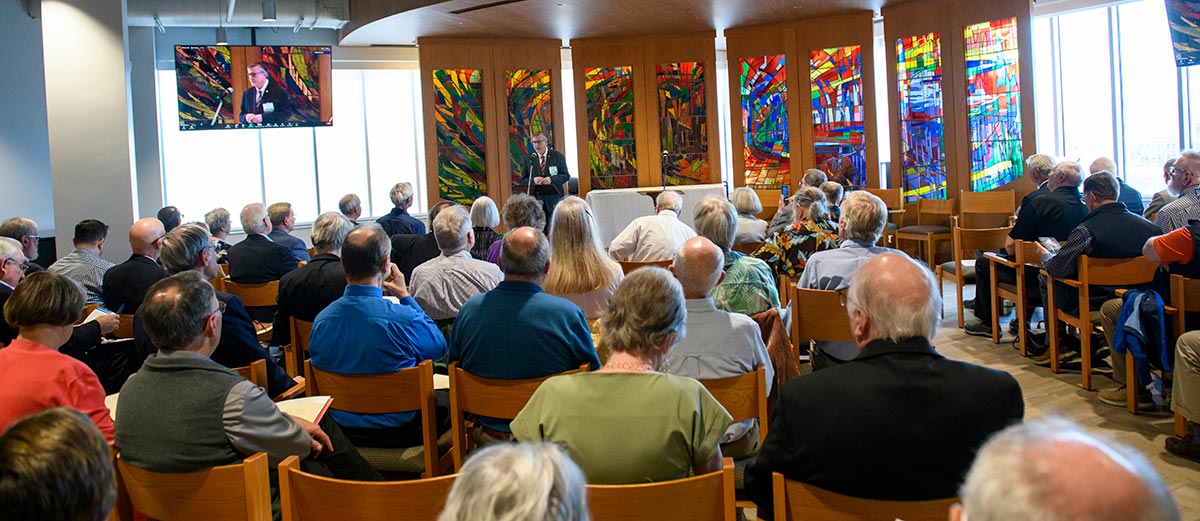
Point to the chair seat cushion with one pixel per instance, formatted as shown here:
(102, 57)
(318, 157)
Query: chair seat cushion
(968, 274)
(923, 229)
(407, 459)
(892, 226)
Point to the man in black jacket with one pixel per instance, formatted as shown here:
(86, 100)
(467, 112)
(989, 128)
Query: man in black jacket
(412, 250)
(899, 422)
(126, 283)
(545, 173)
(264, 102)
(304, 292)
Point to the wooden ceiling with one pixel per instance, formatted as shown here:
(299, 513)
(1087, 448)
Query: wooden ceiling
(401, 22)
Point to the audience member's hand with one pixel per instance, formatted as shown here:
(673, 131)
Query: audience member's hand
(394, 284)
(108, 323)
(320, 440)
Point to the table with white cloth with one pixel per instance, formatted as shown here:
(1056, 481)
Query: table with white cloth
(614, 209)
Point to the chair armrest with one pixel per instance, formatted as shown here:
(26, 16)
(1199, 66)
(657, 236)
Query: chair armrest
(1000, 260)
(295, 391)
(1070, 282)
(1120, 292)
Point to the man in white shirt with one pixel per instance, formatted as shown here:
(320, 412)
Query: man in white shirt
(653, 237)
(443, 284)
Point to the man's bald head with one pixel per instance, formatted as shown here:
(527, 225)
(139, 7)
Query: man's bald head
(1103, 164)
(698, 266)
(145, 236)
(893, 297)
(525, 254)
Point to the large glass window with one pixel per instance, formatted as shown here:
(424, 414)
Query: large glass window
(1085, 76)
(1149, 94)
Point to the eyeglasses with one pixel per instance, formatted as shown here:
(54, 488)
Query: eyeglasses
(843, 296)
(1182, 171)
(220, 308)
(257, 73)
(23, 265)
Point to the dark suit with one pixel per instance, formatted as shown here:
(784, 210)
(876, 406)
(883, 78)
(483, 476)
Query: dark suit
(1132, 198)
(410, 251)
(399, 222)
(125, 284)
(899, 422)
(238, 346)
(1041, 190)
(295, 244)
(304, 292)
(556, 169)
(258, 259)
(272, 94)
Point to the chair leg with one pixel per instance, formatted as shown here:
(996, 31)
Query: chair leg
(1085, 350)
(1052, 326)
(958, 290)
(1022, 332)
(1131, 383)
(1181, 426)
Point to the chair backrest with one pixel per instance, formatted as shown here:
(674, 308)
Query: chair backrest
(795, 501)
(934, 211)
(747, 247)
(254, 295)
(819, 314)
(744, 397)
(892, 197)
(976, 207)
(629, 266)
(307, 497)
(231, 492)
(124, 327)
(256, 372)
(968, 240)
(1185, 296)
(402, 391)
(1116, 272)
(709, 497)
(87, 310)
(294, 353)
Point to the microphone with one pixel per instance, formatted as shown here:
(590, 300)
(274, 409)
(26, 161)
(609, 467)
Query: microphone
(529, 187)
(217, 114)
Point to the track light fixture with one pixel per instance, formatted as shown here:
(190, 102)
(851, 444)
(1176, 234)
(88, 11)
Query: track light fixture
(222, 38)
(268, 9)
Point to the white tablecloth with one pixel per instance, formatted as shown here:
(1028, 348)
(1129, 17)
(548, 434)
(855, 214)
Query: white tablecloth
(615, 209)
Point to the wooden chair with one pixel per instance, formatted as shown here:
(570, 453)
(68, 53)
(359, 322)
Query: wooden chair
(987, 209)
(256, 296)
(709, 497)
(124, 327)
(933, 226)
(1026, 254)
(1185, 298)
(795, 501)
(893, 199)
(494, 398)
(312, 252)
(256, 372)
(629, 266)
(308, 497)
(744, 397)
(747, 248)
(1092, 272)
(402, 391)
(961, 270)
(296, 351)
(229, 492)
(818, 314)
(87, 310)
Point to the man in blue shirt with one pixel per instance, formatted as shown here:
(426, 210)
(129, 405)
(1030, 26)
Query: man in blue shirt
(516, 331)
(363, 333)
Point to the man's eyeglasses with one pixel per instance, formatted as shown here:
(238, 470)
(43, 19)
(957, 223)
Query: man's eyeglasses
(23, 265)
(1181, 171)
(220, 308)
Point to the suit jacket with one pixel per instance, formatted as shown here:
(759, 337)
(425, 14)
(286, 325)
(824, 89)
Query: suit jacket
(295, 244)
(258, 259)
(398, 222)
(1132, 198)
(303, 293)
(238, 346)
(410, 251)
(1157, 202)
(273, 94)
(899, 422)
(554, 159)
(125, 284)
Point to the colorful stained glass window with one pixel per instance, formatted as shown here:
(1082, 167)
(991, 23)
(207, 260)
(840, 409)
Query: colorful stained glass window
(993, 103)
(922, 162)
(838, 118)
(458, 113)
(529, 112)
(612, 151)
(683, 123)
(766, 156)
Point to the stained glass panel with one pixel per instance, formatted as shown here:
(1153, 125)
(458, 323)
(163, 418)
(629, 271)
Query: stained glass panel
(683, 123)
(458, 113)
(993, 103)
(838, 117)
(612, 151)
(766, 155)
(919, 71)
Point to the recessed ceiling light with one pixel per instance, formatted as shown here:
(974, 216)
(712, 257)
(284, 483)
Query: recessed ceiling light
(560, 4)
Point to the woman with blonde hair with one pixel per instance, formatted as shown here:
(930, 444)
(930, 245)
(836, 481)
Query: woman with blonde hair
(580, 271)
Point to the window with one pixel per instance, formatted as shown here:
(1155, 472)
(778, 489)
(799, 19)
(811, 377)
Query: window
(1149, 94)
(1085, 77)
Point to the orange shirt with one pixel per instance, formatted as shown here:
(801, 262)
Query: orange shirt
(1175, 247)
(34, 377)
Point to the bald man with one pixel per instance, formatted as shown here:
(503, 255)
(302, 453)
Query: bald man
(1052, 469)
(125, 284)
(718, 344)
(1131, 198)
(898, 422)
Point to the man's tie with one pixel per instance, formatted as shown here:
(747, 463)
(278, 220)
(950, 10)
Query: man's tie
(542, 162)
(258, 97)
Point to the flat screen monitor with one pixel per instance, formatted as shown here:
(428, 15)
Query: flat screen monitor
(236, 86)
(1183, 17)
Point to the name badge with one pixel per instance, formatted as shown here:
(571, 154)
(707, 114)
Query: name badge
(554, 170)
(268, 107)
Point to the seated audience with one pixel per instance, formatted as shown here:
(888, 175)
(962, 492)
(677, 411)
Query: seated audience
(787, 252)
(351, 207)
(219, 225)
(189, 248)
(1037, 167)
(24, 231)
(862, 222)
(258, 259)
(581, 271)
(443, 284)
(518, 482)
(516, 331)
(307, 290)
(55, 466)
(784, 213)
(410, 250)
(363, 333)
(718, 344)
(519, 210)
(628, 422)
(84, 265)
(833, 196)
(748, 286)
(126, 283)
(899, 422)
(750, 228)
(1162, 197)
(1185, 185)
(1131, 198)
(1051, 469)
(398, 221)
(170, 216)
(283, 221)
(33, 374)
(484, 219)
(184, 412)
(653, 237)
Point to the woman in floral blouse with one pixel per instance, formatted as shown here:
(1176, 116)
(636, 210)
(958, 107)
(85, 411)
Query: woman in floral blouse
(787, 251)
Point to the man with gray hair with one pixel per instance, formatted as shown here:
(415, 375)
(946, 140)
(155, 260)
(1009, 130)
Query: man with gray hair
(283, 221)
(398, 221)
(219, 225)
(653, 237)
(24, 231)
(443, 284)
(258, 259)
(718, 344)
(900, 421)
(517, 331)
(1131, 198)
(1185, 184)
(1037, 167)
(351, 207)
(305, 291)
(748, 286)
(863, 218)
(1051, 469)
(410, 250)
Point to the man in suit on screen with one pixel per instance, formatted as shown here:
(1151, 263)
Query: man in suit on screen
(264, 102)
(545, 173)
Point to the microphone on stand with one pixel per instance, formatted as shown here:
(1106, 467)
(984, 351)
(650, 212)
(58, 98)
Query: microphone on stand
(217, 114)
(529, 187)
(664, 170)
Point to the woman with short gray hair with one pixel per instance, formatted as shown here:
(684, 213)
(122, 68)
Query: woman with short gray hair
(484, 220)
(750, 228)
(518, 482)
(630, 423)
(811, 231)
